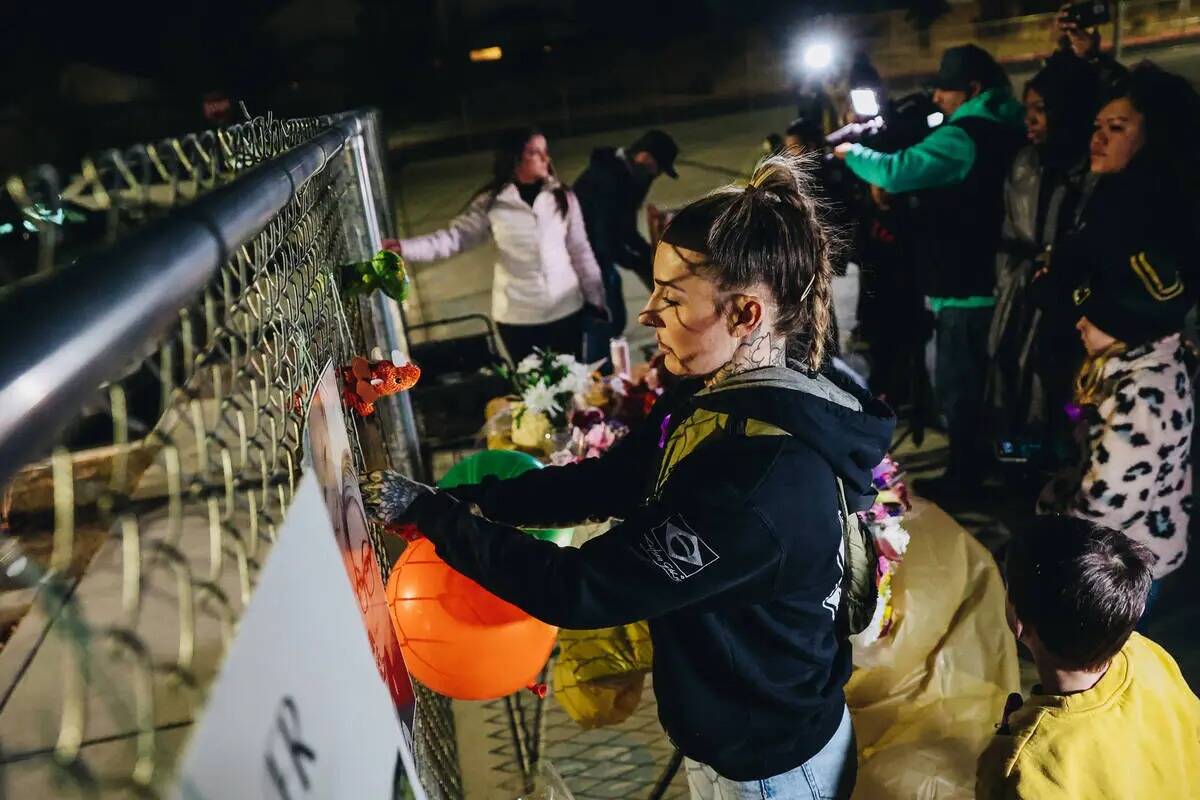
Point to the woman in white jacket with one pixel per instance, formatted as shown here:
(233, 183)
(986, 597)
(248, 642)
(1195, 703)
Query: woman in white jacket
(546, 280)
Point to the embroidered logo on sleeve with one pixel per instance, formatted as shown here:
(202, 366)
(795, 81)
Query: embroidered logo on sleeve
(677, 550)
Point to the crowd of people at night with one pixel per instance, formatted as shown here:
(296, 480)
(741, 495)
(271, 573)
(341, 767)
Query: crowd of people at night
(1044, 237)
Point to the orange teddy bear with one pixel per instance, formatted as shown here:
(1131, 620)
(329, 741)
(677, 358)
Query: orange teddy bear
(364, 382)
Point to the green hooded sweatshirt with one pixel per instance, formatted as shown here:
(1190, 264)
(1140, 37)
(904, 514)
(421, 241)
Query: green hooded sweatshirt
(943, 158)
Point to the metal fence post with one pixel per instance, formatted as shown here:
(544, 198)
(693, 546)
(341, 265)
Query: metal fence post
(387, 321)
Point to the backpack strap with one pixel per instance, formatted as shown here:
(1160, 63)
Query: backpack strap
(859, 558)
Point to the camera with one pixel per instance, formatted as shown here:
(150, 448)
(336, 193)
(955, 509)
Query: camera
(1087, 14)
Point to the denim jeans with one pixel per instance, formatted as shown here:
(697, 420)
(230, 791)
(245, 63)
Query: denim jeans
(961, 370)
(829, 775)
(598, 335)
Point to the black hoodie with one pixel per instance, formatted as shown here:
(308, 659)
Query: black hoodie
(734, 557)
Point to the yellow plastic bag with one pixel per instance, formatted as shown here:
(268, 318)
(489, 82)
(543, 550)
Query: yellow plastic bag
(599, 674)
(926, 698)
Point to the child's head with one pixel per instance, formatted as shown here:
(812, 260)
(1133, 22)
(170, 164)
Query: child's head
(742, 262)
(1075, 590)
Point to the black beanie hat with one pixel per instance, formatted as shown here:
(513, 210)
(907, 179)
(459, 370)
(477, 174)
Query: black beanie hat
(1140, 300)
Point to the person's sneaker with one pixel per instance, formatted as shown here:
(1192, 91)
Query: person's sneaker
(948, 489)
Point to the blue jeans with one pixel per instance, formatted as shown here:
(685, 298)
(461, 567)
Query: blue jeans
(829, 775)
(597, 335)
(961, 370)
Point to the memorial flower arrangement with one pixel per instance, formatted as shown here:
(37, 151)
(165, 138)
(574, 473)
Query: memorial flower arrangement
(885, 520)
(548, 383)
(592, 435)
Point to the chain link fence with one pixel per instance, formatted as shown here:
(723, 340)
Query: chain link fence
(155, 378)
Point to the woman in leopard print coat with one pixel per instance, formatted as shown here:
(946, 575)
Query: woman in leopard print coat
(1136, 472)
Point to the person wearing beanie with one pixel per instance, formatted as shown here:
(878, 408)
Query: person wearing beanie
(1030, 377)
(1135, 395)
(956, 175)
(611, 189)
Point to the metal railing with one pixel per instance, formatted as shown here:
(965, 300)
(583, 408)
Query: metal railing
(152, 395)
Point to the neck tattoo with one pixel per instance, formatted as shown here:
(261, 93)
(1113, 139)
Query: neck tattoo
(760, 350)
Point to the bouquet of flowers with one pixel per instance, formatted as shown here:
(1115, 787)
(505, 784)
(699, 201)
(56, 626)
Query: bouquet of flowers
(592, 435)
(885, 521)
(548, 386)
(633, 397)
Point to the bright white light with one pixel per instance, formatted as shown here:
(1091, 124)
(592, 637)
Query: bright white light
(818, 55)
(935, 119)
(864, 101)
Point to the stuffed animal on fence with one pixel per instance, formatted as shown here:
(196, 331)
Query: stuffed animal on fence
(385, 271)
(364, 382)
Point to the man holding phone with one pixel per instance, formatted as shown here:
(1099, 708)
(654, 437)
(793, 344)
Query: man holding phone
(1079, 25)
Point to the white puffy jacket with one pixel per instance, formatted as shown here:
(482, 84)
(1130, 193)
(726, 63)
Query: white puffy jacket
(546, 269)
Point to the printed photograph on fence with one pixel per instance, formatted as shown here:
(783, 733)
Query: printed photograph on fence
(328, 451)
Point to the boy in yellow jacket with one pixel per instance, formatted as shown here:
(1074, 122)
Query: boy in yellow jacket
(1112, 717)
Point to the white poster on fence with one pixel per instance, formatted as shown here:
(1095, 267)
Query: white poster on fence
(298, 711)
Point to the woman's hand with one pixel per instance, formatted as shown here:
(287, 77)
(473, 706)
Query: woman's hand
(393, 245)
(388, 495)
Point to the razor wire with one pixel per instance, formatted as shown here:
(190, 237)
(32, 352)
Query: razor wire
(136, 557)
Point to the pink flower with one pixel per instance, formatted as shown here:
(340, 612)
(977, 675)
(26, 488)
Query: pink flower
(599, 437)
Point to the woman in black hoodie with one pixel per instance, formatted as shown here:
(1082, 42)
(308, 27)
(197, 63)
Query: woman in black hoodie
(1028, 383)
(730, 534)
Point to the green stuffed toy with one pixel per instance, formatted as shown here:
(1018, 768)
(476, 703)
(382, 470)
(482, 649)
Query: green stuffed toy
(385, 271)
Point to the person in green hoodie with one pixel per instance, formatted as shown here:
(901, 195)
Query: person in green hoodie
(956, 177)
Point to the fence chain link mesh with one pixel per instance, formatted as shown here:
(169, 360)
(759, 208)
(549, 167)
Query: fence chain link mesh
(131, 560)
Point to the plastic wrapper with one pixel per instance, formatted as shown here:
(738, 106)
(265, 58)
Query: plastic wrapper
(547, 784)
(927, 697)
(599, 674)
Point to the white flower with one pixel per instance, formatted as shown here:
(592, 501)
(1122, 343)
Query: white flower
(541, 399)
(529, 363)
(891, 538)
(578, 379)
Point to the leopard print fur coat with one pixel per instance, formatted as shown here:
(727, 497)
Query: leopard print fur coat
(1135, 475)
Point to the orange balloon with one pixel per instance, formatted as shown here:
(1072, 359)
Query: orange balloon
(458, 638)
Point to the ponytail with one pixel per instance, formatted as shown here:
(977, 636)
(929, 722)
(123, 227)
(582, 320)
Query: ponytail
(773, 232)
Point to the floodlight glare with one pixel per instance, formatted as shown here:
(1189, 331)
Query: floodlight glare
(818, 55)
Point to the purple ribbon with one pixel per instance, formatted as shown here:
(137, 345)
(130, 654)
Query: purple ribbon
(662, 439)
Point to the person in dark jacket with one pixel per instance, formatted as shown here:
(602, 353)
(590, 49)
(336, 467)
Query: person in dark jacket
(959, 170)
(611, 189)
(1145, 166)
(1031, 370)
(1084, 45)
(730, 539)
